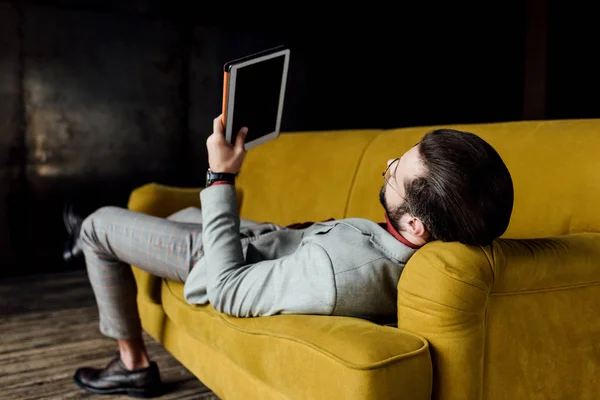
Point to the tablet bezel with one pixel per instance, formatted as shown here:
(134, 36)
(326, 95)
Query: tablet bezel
(231, 75)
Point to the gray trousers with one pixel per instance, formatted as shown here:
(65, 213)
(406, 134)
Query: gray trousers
(114, 238)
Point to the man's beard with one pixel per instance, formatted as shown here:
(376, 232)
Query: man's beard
(394, 214)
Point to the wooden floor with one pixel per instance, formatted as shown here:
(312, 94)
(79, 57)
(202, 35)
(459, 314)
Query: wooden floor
(49, 327)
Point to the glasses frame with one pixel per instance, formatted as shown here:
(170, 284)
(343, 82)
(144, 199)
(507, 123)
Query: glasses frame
(385, 178)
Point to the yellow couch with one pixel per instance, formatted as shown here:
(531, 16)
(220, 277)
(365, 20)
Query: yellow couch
(516, 320)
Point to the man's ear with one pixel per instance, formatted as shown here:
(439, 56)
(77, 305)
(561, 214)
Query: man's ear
(417, 228)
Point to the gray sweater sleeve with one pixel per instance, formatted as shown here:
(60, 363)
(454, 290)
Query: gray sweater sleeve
(300, 283)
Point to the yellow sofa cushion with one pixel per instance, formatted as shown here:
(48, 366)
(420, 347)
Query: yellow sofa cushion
(302, 176)
(314, 357)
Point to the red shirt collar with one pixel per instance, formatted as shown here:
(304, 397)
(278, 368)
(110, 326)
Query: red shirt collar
(390, 228)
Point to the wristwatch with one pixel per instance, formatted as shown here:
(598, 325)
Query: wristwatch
(212, 177)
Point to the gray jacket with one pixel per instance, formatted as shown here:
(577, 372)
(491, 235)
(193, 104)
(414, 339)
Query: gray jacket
(347, 267)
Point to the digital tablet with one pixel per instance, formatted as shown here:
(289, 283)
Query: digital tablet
(253, 95)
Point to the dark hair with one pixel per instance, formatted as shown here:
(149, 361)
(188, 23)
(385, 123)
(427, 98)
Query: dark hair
(467, 193)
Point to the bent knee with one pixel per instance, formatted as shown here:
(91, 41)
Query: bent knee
(96, 222)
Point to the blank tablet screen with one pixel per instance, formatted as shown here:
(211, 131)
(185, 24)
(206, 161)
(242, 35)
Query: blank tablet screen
(257, 96)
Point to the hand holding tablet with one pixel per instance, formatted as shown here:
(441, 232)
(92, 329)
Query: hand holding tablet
(253, 95)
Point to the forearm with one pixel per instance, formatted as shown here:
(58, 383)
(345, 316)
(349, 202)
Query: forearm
(220, 235)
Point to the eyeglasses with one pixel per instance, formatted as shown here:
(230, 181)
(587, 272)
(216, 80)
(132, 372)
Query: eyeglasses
(386, 175)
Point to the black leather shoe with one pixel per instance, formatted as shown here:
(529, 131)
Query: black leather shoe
(115, 378)
(72, 222)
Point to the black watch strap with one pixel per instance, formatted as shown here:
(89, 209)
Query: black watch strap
(212, 177)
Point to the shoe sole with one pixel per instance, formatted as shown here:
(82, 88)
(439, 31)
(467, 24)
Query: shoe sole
(131, 392)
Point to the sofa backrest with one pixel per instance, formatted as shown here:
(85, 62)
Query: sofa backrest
(302, 177)
(555, 167)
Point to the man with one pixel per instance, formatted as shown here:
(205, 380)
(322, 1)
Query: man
(451, 186)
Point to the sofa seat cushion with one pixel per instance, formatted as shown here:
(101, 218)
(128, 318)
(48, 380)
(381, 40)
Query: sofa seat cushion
(328, 357)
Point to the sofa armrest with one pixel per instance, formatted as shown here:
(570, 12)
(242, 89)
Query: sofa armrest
(442, 295)
(162, 200)
(472, 303)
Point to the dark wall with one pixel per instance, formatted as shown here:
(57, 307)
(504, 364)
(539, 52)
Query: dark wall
(573, 62)
(99, 97)
(11, 137)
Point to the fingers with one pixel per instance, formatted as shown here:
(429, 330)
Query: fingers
(219, 134)
(218, 126)
(240, 139)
